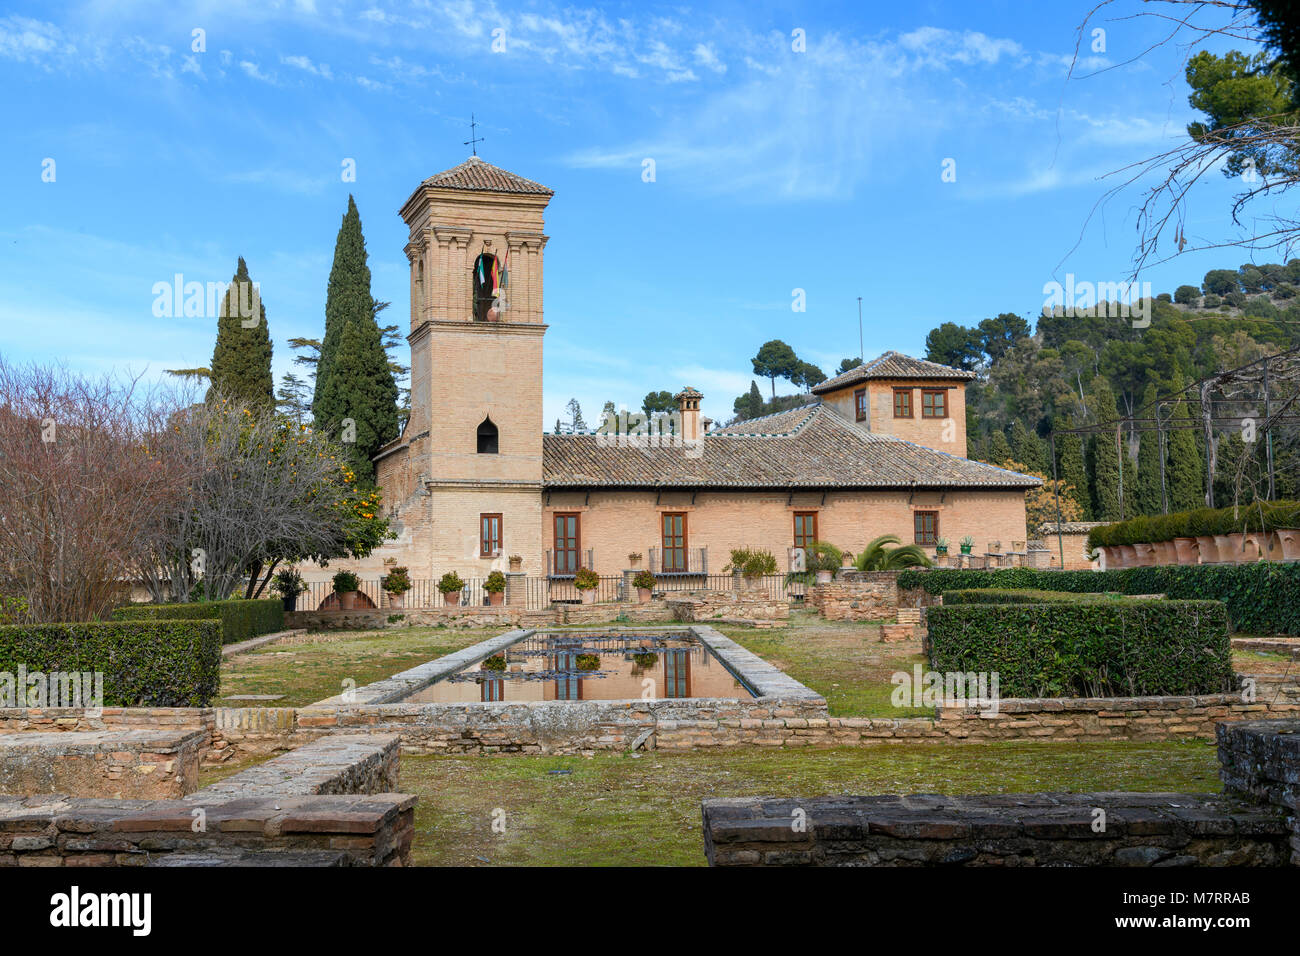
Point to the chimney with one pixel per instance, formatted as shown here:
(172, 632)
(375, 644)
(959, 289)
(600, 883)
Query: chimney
(688, 402)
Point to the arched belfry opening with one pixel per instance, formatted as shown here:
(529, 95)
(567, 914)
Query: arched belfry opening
(487, 280)
(487, 437)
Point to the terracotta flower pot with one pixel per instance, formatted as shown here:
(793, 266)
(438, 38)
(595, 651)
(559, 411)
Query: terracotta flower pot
(1209, 551)
(588, 596)
(347, 600)
(643, 595)
(1127, 556)
(451, 598)
(1236, 550)
(496, 598)
(396, 600)
(1146, 555)
(1290, 542)
(1187, 550)
(1257, 546)
(1225, 548)
(1166, 553)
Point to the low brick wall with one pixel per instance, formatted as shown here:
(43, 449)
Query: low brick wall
(343, 763)
(727, 606)
(368, 829)
(120, 764)
(1260, 761)
(652, 612)
(1024, 829)
(857, 596)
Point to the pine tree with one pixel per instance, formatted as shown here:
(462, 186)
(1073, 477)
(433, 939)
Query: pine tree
(1103, 458)
(1185, 481)
(241, 358)
(354, 381)
(997, 450)
(1071, 466)
(1147, 483)
(291, 397)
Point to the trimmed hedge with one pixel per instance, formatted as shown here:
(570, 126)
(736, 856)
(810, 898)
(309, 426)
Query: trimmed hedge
(1021, 596)
(166, 663)
(1262, 598)
(240, 619)
(1087, 648)
(1260, 516)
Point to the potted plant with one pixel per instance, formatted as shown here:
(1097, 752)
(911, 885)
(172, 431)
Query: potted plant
(449, 586)
(497, 662)
(644, 660)
(495, 586)
(586, 581)
(516, 563)
(824, 559)
(586, 662)
(751, 564)
(1284, 516)
(634, 559)
(966, 544)
(288, 584)
(345, 586)
(395, 584)
(644, 582)
(1204, 524)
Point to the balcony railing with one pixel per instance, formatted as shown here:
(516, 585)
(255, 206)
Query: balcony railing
(696, 562)
(559, 564)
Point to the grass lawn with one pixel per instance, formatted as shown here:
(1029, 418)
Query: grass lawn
(619, 810)
(843, 661)
(306, 673)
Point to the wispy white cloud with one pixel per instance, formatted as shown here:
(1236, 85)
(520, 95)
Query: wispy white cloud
(306, 65)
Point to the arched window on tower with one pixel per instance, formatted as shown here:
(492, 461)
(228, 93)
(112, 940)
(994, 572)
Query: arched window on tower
(485, 287)
(487, 438)
(419, 287)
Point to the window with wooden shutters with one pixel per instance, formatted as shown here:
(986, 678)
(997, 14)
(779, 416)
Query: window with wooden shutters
(902, 403)
(567, 543)
(674, 541)
(860, 404)
(489, 545)
(805, 529)
(934, 403)
(927, 526)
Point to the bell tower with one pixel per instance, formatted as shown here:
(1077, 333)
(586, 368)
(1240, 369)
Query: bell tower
(475, 434)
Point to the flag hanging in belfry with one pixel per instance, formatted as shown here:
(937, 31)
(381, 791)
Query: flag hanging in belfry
(482, 277)
(505, 274)
(496, 273)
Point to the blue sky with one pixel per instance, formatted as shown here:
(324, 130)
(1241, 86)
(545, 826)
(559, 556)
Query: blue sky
(776, 169)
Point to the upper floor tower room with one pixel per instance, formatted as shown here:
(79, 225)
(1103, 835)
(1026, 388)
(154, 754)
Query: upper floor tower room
(913, 399)
(475, 246)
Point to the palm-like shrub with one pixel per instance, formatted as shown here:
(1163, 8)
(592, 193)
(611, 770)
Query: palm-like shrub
(878, 556)
(821, 556)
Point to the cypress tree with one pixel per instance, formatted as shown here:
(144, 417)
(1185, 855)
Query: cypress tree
(998, 449)
(1103, 458)
(353, 377)
(241, 358)
(1186, 486)
(1071, 467)
(1147, 484)
(1028, 449)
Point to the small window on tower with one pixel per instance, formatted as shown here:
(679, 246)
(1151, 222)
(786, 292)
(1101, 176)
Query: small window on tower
(486, 283)
(487, 438)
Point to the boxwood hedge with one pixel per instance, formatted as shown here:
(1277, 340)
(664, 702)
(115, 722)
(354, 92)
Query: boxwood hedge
(1262, 598)
(240, 619)
(1087, 648)
(165, 663)
(1020, 596)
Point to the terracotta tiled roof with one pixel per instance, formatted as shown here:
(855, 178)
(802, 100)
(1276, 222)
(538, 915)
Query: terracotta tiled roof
(819, 451)
(778, 423)
(892, 365)
(475, 174)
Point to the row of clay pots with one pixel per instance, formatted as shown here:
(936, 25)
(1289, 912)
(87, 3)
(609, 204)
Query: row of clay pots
(1282, 545)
